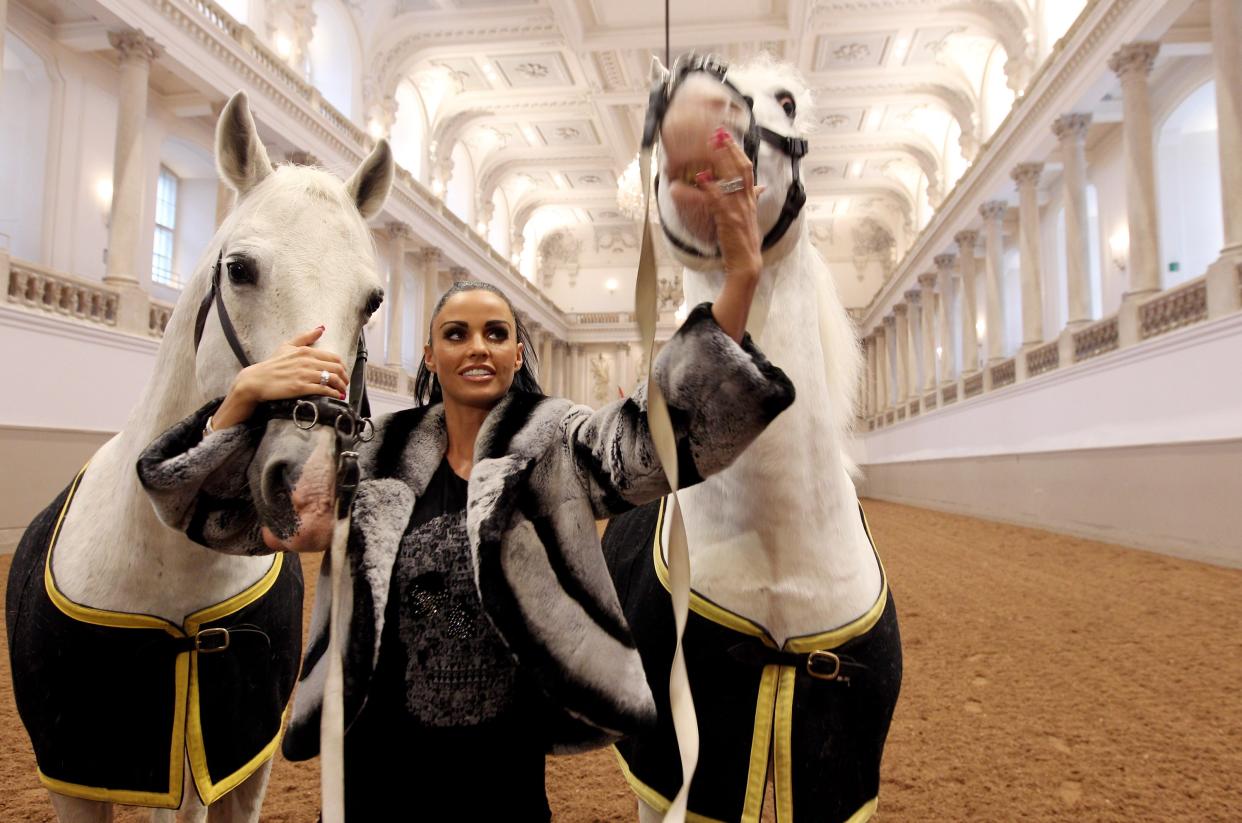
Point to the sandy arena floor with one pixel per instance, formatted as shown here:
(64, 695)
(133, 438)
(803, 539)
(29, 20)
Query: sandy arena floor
(1047, 679)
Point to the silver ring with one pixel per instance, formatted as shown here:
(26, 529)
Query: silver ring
(324, 377)
(730, 186)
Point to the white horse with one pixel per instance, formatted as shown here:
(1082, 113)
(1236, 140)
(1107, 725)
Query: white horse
(778, 548)
(294, 253)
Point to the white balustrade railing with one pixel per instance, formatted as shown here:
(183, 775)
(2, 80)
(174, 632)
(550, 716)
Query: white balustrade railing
(35, 287)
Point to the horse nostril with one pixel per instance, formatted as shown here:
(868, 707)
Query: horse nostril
(279, 479)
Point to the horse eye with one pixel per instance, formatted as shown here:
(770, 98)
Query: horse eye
(374, 301)
(242, 272)
(787, 103)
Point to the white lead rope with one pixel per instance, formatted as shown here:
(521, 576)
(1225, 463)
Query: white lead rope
(332, 717)
(685, 723)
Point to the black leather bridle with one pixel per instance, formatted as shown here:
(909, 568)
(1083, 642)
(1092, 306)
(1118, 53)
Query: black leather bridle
(351, 420)
(795, 148)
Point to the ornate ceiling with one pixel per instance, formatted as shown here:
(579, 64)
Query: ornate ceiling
(548, 96)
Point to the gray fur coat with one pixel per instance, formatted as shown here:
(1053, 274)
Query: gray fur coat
(544, 472)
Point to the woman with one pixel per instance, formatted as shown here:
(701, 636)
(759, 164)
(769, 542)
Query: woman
(485, 629)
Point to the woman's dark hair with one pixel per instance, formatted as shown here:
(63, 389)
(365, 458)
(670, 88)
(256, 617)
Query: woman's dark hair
(427, 385)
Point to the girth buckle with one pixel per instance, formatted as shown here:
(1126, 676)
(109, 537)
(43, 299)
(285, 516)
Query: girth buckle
(823, 665)
(208, 641)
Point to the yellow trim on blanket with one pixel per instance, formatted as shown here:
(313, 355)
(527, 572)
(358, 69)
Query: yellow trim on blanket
(186, 740)
(652, 797)
(760, 741)
(802, 644)
(783, 741)
(698, 603)
(865, 812)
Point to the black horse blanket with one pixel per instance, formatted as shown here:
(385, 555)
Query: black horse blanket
(114, 702)
(817, 708)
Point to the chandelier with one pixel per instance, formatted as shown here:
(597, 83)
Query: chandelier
(630, 192)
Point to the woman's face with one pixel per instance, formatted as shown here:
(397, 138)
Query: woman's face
(474, 350)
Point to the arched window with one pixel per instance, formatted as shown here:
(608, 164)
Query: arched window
(1188, 159)
(409, 130)
(185, 214)
(498, 231)
(334, 56)
(25, 108)
(460, 196)
(995, 96)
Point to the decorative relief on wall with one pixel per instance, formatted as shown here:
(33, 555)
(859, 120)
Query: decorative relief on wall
(558, 250)
(616, 239)
(852, 52)
(669, 293)
(601, 374)
(872, 241)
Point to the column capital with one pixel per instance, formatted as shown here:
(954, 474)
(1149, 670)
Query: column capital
(1072, 126)
(966, 239)
(398, 230)
(1027, 174)
(928, 280)
(429, 255)
(879, 330)
(891, 318)
(994, 210)
(912, 297)
(134, 44)
(459, 273)
(1134, 59)
(944, 262)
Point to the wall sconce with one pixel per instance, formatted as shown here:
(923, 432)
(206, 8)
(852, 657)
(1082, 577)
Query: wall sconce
(611, 284)
(981, 329)
(683, 311)
(103, 196)
(515, 258)
(375, 129)
(481, 228)
(1119, 247)
(437, 187)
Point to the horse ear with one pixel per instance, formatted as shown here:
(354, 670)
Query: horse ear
(659, 74)
(370, 184)
(241, 158)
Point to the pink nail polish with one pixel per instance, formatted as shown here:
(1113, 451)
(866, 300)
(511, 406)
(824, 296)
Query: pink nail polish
(705, 176)
(342, 395)
(319, 327)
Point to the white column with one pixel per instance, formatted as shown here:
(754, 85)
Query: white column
(901, 347)
(927, 282)
(892, 382)
(944, 314)
(429, 273)
(4, 18)
(128, 180)
(1071, 132)
(1226, 40)
(1026, 175)
(993, 213)
(914, 366)
(624, 380)
(882, 371)
(561, 377)
(398, 235)
(545, 361)
(970, 335)
(868, 395)
(1222, 279)
(576, 392)
(1133, 63)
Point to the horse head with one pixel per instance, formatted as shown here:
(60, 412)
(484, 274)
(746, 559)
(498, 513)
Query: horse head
(295, 253)
(759, 102)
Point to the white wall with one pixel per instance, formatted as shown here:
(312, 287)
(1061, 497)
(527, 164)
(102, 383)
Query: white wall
(1188, 163)
(1177, 388)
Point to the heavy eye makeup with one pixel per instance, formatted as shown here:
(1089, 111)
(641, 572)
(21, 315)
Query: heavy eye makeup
(497, 331)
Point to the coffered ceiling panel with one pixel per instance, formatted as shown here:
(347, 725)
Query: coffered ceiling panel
(465, 73)
(568, 133)
(524, 71)
(928, 43)
(601, 179)
(832, 121)
(852, 51)
(635, 13)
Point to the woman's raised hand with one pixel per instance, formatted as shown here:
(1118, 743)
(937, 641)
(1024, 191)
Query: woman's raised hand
(737, 230)
(295, 370)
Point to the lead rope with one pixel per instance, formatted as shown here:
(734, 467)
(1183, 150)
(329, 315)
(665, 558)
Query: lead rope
(685, 723)
(332, 717)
